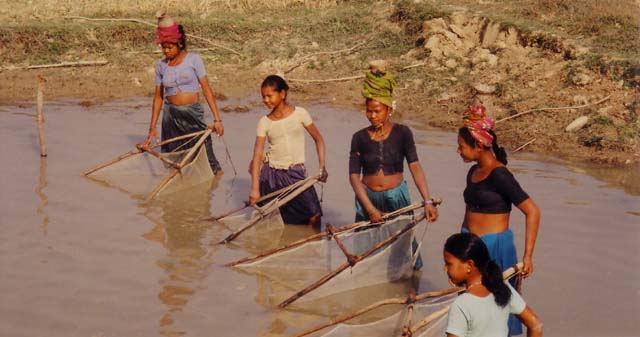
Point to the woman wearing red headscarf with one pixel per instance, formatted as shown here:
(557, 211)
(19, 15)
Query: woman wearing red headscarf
(180, 77)
(490, 192)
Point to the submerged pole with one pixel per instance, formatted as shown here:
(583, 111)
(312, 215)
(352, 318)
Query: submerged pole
(40, 116)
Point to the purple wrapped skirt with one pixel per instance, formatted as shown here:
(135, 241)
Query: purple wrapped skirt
(301, 208)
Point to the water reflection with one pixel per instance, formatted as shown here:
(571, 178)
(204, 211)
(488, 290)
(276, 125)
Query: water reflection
(179, 229)
(44, 200)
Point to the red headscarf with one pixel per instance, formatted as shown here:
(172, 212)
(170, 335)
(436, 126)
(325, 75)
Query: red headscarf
(169, 34)
(478, 124)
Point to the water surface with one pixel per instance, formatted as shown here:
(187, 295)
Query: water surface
(79, 258)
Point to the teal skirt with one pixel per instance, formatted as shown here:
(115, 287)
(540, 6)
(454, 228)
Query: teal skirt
(389, 201)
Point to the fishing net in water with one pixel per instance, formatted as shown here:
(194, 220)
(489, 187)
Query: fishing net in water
(149, 174)
(265, 234)
(320, 267)
(394, 325)
(424, 315)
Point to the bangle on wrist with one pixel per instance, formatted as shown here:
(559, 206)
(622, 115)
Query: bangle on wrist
(217, 120)
(428, 201)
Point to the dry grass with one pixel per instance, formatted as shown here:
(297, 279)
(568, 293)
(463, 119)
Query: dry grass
(16, 11)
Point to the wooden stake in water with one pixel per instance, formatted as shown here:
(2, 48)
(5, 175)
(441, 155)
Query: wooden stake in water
(40, 116)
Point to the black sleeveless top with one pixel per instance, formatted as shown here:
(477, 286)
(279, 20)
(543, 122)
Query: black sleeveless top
(368, 156)
(495, 193)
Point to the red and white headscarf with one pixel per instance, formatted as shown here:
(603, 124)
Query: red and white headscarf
(478, 124)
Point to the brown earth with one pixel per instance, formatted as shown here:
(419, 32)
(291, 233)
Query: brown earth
(455, 59)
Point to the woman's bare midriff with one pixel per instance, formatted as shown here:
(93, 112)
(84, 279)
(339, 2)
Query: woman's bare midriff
(380, 182)
(183, 98)
(481, 223)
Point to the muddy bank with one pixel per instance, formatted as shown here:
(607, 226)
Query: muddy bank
(441, 63)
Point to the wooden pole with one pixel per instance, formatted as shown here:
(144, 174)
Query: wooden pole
(112, 161)
(346, 265)
(245, 204)
(350, 257)
(183, 162)
(40, 116)
(159, 156)
(272, 206)
(337, 230)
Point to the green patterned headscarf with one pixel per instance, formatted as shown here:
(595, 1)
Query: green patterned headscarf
(379, 87)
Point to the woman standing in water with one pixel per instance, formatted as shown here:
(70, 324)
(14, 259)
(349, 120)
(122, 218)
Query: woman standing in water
(483, 310)
(179, 78)
(283, 164)
(490, 192)
(376, 158)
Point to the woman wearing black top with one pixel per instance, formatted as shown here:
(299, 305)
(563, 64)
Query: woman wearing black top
(378, 152)
(490, 192)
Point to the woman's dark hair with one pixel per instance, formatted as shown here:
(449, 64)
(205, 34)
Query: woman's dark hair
(182, 44)
(468, 246)
(276, 82)
(500, 152)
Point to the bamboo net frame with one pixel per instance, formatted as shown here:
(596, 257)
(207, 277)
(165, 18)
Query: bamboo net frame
(326, 234)
(281, 199)
(333, 233)
(176, 167)
(408, 328)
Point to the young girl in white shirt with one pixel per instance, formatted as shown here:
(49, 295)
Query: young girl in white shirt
(283, 164)
(484, 308)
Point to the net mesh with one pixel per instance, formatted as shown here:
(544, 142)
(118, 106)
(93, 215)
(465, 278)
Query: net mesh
(140, 174)
(299, 267)
(393, 324)
(265, 234)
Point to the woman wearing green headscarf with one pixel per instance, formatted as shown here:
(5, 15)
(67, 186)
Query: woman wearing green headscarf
(376, 159)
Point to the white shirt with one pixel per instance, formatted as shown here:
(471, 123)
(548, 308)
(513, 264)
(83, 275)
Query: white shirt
(286, 138)
(473, 316)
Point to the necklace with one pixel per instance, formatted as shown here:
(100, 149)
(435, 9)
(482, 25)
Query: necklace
(473, 285)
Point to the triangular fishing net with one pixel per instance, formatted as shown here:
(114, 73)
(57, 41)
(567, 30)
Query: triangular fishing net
(393, 325)
(142, 173)
(423, 315)
(299, 267)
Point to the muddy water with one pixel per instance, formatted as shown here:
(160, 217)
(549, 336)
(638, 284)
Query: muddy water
(79, 258)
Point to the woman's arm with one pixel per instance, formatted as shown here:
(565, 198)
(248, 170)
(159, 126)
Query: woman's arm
(155, 113)
(358, 188)
(532, 215)
(532, 322)
(421, 183)
(320, 149)
(258, 149)
(211, 100)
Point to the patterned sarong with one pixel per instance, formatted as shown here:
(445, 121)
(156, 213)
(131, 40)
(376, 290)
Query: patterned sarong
(178, 120)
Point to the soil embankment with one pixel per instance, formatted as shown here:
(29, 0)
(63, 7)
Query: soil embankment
(537, 81)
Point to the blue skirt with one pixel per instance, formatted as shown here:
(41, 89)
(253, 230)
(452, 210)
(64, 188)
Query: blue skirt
(299, 210)
(389, 201)
(502, 249)
(179, 120)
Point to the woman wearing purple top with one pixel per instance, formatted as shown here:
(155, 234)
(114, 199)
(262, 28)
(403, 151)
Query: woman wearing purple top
(179, 78)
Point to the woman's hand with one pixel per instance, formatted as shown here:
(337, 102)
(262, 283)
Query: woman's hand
(527, 266)
(153, 134)
(375, 216)
(323, 175)
(217, 127)
(254, 196)
(431, 212)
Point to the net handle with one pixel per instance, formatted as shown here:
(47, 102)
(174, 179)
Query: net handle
(271, 207)
(337, 231)
(346, 265)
